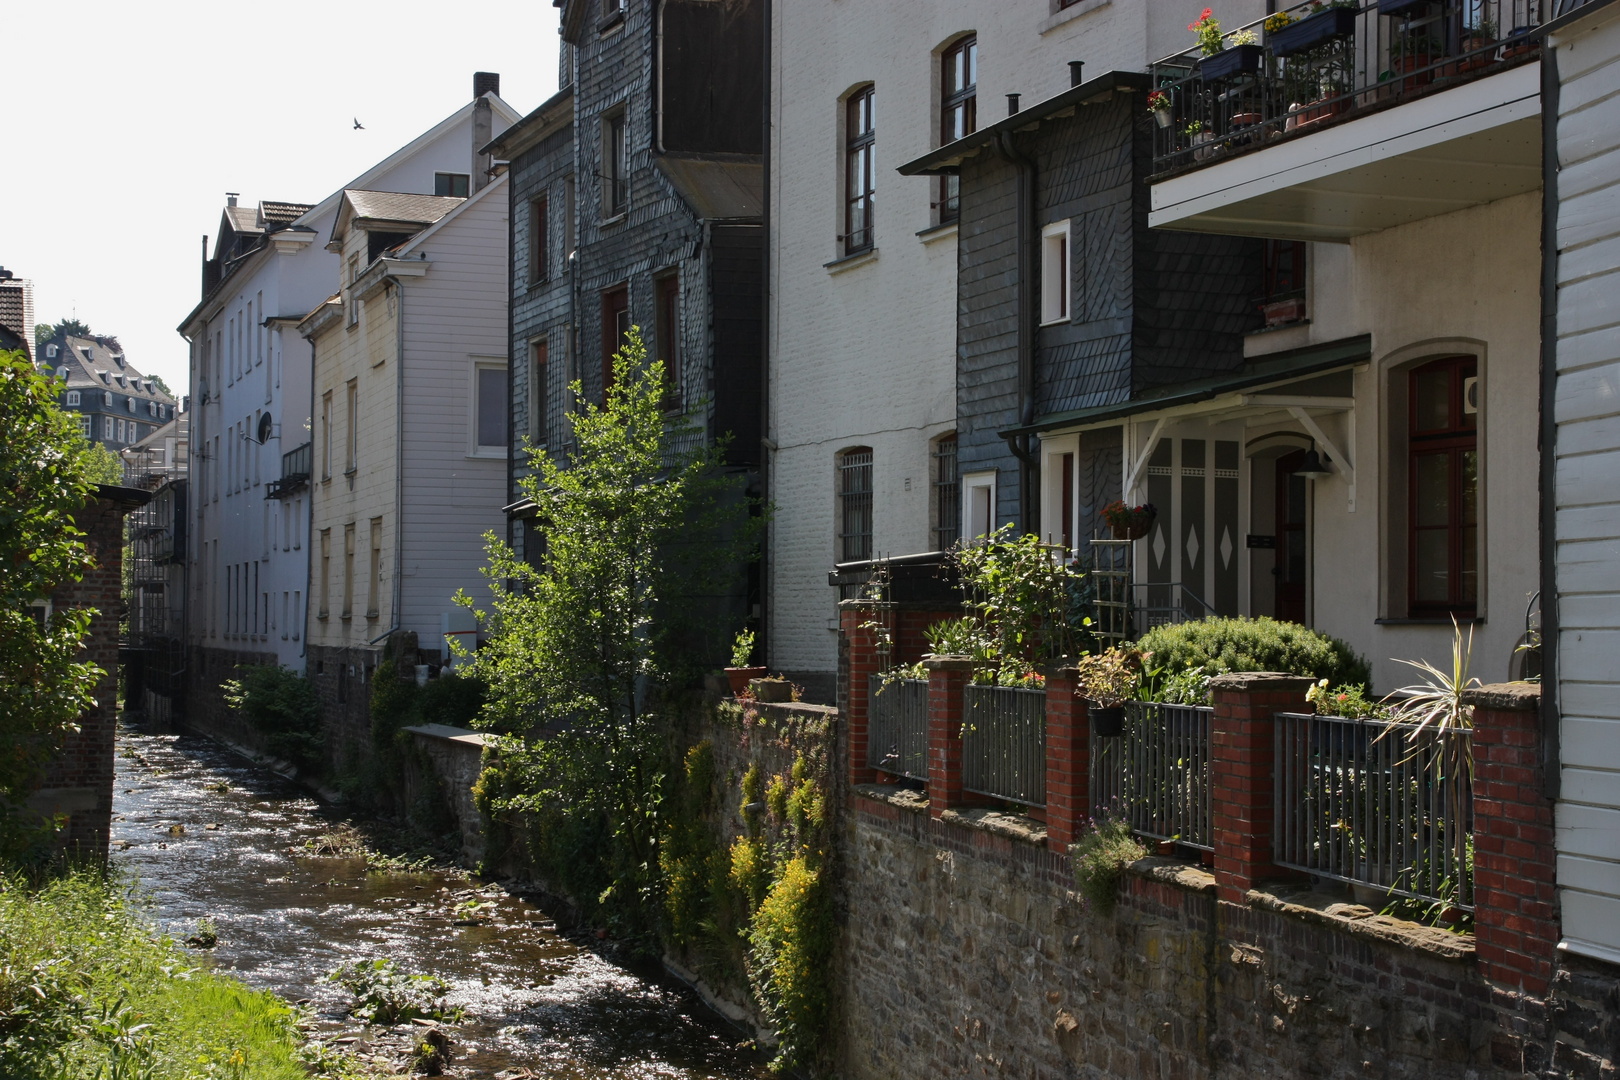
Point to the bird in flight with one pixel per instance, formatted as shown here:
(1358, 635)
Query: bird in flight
(358, 126)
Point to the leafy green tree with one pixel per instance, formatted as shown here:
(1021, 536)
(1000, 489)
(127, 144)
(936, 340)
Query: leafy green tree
(640, 528)
(45, 479)
(157, 380)
(103, 466)
(44, 331)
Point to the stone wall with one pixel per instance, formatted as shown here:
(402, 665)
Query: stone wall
(452, 759)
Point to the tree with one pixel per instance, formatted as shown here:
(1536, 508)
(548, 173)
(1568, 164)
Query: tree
(44, 331)
(637, 526)
(102, 466)
(157, 380)
(44, 481)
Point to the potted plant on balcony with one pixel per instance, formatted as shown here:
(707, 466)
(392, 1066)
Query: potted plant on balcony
(1129, 522)
(1159, 105)
(1219, 62)
(739, 673)
(1107, 680)
(1326, 23)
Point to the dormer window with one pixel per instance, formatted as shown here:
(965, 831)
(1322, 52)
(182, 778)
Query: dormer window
(62, 372)
(106, 399)
(88, 355)
(122, 381)
(131, 404)
(50, 352)
(152, 408)
(106, 379)
(119, 360)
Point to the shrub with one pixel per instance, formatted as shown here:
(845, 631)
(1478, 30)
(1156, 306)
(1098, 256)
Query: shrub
(1226, 645)
(1100, 859)
(791, 935)
(280, 705)
(385, 995)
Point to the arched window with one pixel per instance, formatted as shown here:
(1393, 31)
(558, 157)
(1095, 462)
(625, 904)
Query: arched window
(859, 172)
(854, 487)
(947, 493)
(1443, 487)
(958, 110)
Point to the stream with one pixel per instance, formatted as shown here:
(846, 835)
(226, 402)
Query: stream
(538, 1003)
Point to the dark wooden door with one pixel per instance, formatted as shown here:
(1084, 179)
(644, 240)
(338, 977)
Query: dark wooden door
(1292, 562)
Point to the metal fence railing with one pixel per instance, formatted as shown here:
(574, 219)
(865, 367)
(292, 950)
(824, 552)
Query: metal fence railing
(1004, 743)
(1321, 61)
(897, 728)
(1156, 773)
(1376, 803)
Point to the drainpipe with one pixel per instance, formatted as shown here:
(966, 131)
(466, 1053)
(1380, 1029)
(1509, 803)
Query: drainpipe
(1548, 433)
(767, 460)
(573, 316)
(1020, 445)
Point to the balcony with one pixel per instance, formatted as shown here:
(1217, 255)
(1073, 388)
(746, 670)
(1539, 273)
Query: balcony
(295, 469)
(1337, 120)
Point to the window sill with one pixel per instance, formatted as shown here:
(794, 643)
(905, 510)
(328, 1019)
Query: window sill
(488, 455)
(850, 262)
(611, 24)
(938, 232)
(615, 219)
(1431, 620)
(1275, 327)
(1069, 14)
(1061, 320)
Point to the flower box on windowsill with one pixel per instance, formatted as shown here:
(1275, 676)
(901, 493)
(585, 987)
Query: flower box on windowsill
(1282, 312)
(1313, 31)
(1238, 60)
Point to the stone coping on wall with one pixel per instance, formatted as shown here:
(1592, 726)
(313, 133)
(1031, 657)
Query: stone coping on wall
(464, 736)
(1505, 697)
(1297, 902)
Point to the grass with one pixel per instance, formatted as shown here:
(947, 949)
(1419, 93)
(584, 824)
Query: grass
(88, 989)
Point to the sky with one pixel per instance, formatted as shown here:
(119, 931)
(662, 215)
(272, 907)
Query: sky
(134, 120)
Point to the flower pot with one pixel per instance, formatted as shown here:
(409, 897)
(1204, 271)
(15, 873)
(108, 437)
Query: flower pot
(1162, 116)
(1202, 148)
(1107, 723)
(1245, 119)
(1238, 60)
(1407, 65)
(1517, 44)
(738, 677)
(1313, 31)
(1134, 531)
(770, 691)
(1314, 112)
(1279, 312)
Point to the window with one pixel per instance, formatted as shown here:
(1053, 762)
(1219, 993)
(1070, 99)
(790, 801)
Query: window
(151, 408)
(539, 248)
(85, 426)
(374, 587)
(490, 405)
(855, 504)
(615, 165)
(615, 325)
(858, 173)
(107, 428)
(284, 615)
(326, 575)
(353, 301)
(451, 184)
(979, 499)
(120, 436)
(297, 619)
(50, 354)
(958, 111)
(1443, 487)
(613, 9)
(1282, 299)
(947, 494)
(667, 311)
(352, 424)
(348, 571)
(326, 436)
(72, 397)
(537, 392)
(1055, 273)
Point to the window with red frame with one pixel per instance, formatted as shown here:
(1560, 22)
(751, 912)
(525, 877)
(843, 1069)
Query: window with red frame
(859, 174)
(1443, 487)
(958, 112)
(615, 324)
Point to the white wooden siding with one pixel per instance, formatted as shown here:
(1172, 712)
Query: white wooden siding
(1587, 409)
(455, 316)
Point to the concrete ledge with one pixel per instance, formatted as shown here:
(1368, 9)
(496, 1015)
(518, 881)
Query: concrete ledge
(1505, 697)
(909, 799)
(1173, 872)
(1014, 827)
(1363, 922)
(1261, 680)
(464, 736)
(935, 662)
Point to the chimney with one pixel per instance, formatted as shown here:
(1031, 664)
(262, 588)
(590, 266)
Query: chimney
(483, 129)
(230, 197)
(1012, 104)
(1074, 72)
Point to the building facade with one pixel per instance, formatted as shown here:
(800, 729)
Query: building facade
(251, 393)
(154, 647)
(863, 318)
(409, 457)
(16, 313)
(115, 404)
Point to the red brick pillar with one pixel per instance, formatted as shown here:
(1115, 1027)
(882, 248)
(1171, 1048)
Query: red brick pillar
(1242, 736)
(1068, 759)
(864, 662)
(947, 678)
(1516, 922)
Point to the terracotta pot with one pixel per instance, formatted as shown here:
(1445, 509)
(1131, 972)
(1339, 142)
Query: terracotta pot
(738, 677)
(1245, 119)
(1107, 722)
(1409, 64)
(1284, 311)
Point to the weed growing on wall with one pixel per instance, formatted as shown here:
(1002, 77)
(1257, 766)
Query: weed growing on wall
(280, 705)
(1100, 857)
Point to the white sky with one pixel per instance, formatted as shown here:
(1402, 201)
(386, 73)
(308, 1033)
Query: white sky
(127, 123)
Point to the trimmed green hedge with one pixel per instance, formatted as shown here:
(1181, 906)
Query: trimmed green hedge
(1264, 644)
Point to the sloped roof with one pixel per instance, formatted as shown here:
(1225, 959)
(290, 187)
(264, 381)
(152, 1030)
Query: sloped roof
(84, 371)
(282, 213)
(717, 190)
(244, 219)
(392, 208)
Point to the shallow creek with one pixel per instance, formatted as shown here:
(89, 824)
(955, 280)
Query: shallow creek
(538, 1003)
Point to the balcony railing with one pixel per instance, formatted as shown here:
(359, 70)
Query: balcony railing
(296, 465)
(1317, 63)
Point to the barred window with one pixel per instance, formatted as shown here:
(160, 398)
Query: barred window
(855, 504)
(947, 494)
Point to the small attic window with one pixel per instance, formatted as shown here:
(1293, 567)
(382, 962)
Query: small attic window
(88, 355)
(72, 397)
(122, 381)
(50, 352)
(131, 404)
(106, 379)
(119, 360)
(62, 372)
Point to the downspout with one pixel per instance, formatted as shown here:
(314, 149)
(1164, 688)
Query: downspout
(1548, 432)
(309, 518)
(512, 356)
(1028, 508)
(767, 460)
(573, 317)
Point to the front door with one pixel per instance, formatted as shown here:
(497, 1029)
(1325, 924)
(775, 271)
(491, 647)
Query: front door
(1291, 560)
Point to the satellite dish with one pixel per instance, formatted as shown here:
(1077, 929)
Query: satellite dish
(265, 426)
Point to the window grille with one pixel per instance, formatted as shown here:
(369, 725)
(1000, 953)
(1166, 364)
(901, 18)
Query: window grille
(855, 504)
(947, 495)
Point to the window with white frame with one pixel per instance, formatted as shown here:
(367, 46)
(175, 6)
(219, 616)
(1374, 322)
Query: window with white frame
(978, 505)
(489, 409)
(85, 425)
(1055, 272)
(72, 397)
(326, 435)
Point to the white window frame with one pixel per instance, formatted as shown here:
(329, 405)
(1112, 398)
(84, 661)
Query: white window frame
(86, 425)
(72, 397)
(1052, 451)
(978, 515)
(107, 428)
(475, 449)
(1056, 272)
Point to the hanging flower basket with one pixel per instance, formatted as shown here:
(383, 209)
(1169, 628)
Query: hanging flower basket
(1129, 522)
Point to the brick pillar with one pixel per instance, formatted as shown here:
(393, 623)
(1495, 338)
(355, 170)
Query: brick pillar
(947, 677)
(1241, 738)
(1068, 759)
(1516, 922)
(864, 662)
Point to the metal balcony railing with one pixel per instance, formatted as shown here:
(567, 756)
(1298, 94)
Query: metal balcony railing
(1315, 63)
(296, 465)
